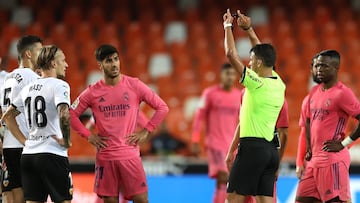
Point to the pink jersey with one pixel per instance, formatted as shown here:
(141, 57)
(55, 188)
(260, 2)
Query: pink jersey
(304, 104)
(329, 111)
(283, 119)
(220, 111)
(301, 151)
(116, 110)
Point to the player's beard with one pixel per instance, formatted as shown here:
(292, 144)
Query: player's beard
(315, 79)
(109, 74)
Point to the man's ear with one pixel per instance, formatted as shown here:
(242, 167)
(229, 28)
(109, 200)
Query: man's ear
(27, 53)
(99, 65)
(258, 62)
(53, 63)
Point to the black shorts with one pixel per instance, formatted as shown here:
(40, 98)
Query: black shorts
(254, 168)
(46, 174)
(11, 176)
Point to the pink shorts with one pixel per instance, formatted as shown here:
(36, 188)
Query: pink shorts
(325, 183)
(115, 176)
(216, 159)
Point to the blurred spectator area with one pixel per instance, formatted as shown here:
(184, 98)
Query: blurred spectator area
(176, 46)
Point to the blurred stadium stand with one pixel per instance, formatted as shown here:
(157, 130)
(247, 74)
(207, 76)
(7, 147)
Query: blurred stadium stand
(177, 45)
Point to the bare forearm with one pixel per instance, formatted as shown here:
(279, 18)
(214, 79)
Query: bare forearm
(307, 134)
(356, 133)
(253, 37)
(283, 133)
(64, 116)
(235, 140)
(231, 52)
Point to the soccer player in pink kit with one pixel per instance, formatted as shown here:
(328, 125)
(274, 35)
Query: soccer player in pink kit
(300, 157)
(331, 103)
(115, 102)
(219, 107)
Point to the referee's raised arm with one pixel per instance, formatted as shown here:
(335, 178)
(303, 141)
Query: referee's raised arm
(229, 43)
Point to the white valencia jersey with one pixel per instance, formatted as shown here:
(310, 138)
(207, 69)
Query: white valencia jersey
(14, 82)
(38, 101)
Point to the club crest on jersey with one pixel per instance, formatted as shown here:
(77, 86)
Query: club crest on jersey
(126, 96)
(328, 102)
(75, 103)
(66, 94)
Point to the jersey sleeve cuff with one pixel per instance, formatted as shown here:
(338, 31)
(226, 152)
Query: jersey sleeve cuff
(243, 75)
(149, 127)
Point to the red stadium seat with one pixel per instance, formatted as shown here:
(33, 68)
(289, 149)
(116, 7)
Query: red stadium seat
(10, 32)
(108, 30)
(133, 32)
(36, 29)
(200, 47)
(146, 17)
(96, 16)
(156, 45)
(72, 17)
(122, 17)
(283, 31)
(169, 14)
(4, 16)
(305, 31)
(59, 33)
(197, 30)
(178, 48)
(154, 31)
(83, 33)
(321, 15)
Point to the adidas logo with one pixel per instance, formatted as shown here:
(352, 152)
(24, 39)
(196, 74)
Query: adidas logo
(328, 192)
(143, 184)
(102, 99)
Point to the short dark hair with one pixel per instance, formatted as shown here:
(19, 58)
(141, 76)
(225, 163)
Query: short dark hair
(225, 66)
(265, 52)
(104, 51)
(333, 54)
(47, 54)
(26, 43)
(330, 53)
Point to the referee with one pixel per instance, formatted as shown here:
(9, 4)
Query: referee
(253, 171)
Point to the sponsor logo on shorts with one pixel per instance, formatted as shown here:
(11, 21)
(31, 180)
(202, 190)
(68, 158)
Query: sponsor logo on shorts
(143, 184)
(6, 177)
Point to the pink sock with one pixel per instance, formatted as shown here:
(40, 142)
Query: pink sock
(220, 194)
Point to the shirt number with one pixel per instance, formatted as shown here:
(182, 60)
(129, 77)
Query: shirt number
(38, 115)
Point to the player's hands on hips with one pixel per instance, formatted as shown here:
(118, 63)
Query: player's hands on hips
(137, 138)
(227, 17)
(98, 141)
(62, 142)
(299, 171)
(229, 160)
(332, 146)
(195, 149)
(243, 21)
